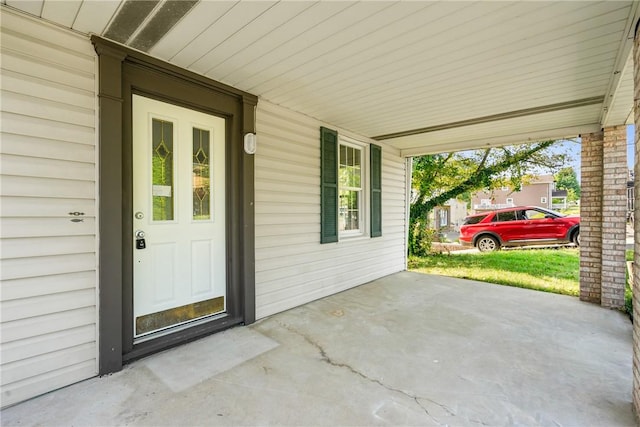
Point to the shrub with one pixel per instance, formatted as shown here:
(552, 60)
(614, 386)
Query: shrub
(421, 239)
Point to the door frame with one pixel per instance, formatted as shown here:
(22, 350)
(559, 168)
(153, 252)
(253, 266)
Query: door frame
(121, 73)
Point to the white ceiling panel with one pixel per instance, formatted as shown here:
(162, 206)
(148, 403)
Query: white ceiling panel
(539, 126)
(94, 16)
(620, 105)
(269, 21)
(228, 24)
(32, 7)
(243, 63)
(63, 12)
(454, 72)
(203, 16)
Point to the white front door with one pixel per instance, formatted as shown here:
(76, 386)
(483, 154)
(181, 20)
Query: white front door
(179, 241)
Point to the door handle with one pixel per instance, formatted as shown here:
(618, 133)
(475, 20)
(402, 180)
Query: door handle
(139, 234)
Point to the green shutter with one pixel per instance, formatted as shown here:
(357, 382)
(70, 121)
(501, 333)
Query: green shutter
(376, 190)
(328, 185)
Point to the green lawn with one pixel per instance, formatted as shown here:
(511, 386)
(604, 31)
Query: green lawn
(549, 270)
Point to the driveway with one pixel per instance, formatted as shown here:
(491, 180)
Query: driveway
(408, 349)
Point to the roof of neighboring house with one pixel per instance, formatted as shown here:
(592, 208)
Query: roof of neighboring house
(542, 179)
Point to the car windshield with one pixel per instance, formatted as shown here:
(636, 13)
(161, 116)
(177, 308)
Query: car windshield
(550, 212)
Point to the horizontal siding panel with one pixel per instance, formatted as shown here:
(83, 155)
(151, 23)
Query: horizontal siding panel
(265, 177)
(281, 153)
(44, 246)
(278, 289)
(291, 217)
(47, 188)
(295, 266)
(286, 121)
(48, 155)
(27, 105)
(267, 243)
(304, 144)
(41, 344)
(39, 365)
(291, 198)
(41, 128)
(323, 258)
(292, 267)
(289, 167)
(19, 63)
(22, 390)
(275, 303)
(391, 196)
(266, 184)
(19, 268)
(46, 89)
(43, 48)
(47, 148)
(278, 208)
(37, 207)
(51, 35)
(297, 280)
(393, 210)
(46, 168)
(47, 304)
(46, 285)
(285, 230)
(393, 170)
(42, 227)
(48, 323)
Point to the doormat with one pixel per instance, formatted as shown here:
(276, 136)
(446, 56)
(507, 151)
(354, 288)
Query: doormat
(183, 367)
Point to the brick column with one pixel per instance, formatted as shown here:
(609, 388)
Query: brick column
(614, 216)
(636, 215)
(591, 217)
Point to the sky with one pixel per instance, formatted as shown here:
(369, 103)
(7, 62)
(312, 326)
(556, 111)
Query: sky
(573, 149)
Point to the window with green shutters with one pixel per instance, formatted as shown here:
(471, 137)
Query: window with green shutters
(343, 187)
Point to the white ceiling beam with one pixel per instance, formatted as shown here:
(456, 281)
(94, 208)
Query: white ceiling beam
(473, 144)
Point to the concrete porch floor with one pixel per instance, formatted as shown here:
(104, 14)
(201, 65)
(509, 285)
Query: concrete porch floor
(408, 349)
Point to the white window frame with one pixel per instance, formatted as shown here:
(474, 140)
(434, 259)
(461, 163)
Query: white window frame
(363, 206)
(509, 201)
(543, 200)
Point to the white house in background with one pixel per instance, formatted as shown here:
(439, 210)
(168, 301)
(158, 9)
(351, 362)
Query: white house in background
(449, 216)
(172, 169)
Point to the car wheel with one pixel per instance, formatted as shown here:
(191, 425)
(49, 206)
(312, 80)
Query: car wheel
(576, 238)
(487, 244)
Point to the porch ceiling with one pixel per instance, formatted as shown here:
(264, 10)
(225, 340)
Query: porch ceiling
(423, 76)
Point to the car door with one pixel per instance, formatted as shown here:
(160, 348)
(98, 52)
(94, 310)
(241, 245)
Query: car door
(539, 225)
(506, 225)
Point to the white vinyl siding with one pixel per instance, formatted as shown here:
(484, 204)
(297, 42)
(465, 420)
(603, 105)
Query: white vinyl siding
(48, 262)
(292, 267)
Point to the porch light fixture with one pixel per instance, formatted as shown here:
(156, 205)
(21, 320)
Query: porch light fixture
(250, 143)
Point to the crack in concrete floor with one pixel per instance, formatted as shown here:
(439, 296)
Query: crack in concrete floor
(327, 359)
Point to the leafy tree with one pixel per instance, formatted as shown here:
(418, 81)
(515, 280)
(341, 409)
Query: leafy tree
(440, 177)
(566, 179)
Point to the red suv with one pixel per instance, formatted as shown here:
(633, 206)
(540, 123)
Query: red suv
(519, 226)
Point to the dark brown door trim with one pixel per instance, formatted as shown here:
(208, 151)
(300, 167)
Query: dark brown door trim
(123, 72)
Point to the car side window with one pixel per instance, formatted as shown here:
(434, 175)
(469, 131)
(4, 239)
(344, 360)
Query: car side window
(506, 216)
(534, 214)
(474, 219)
